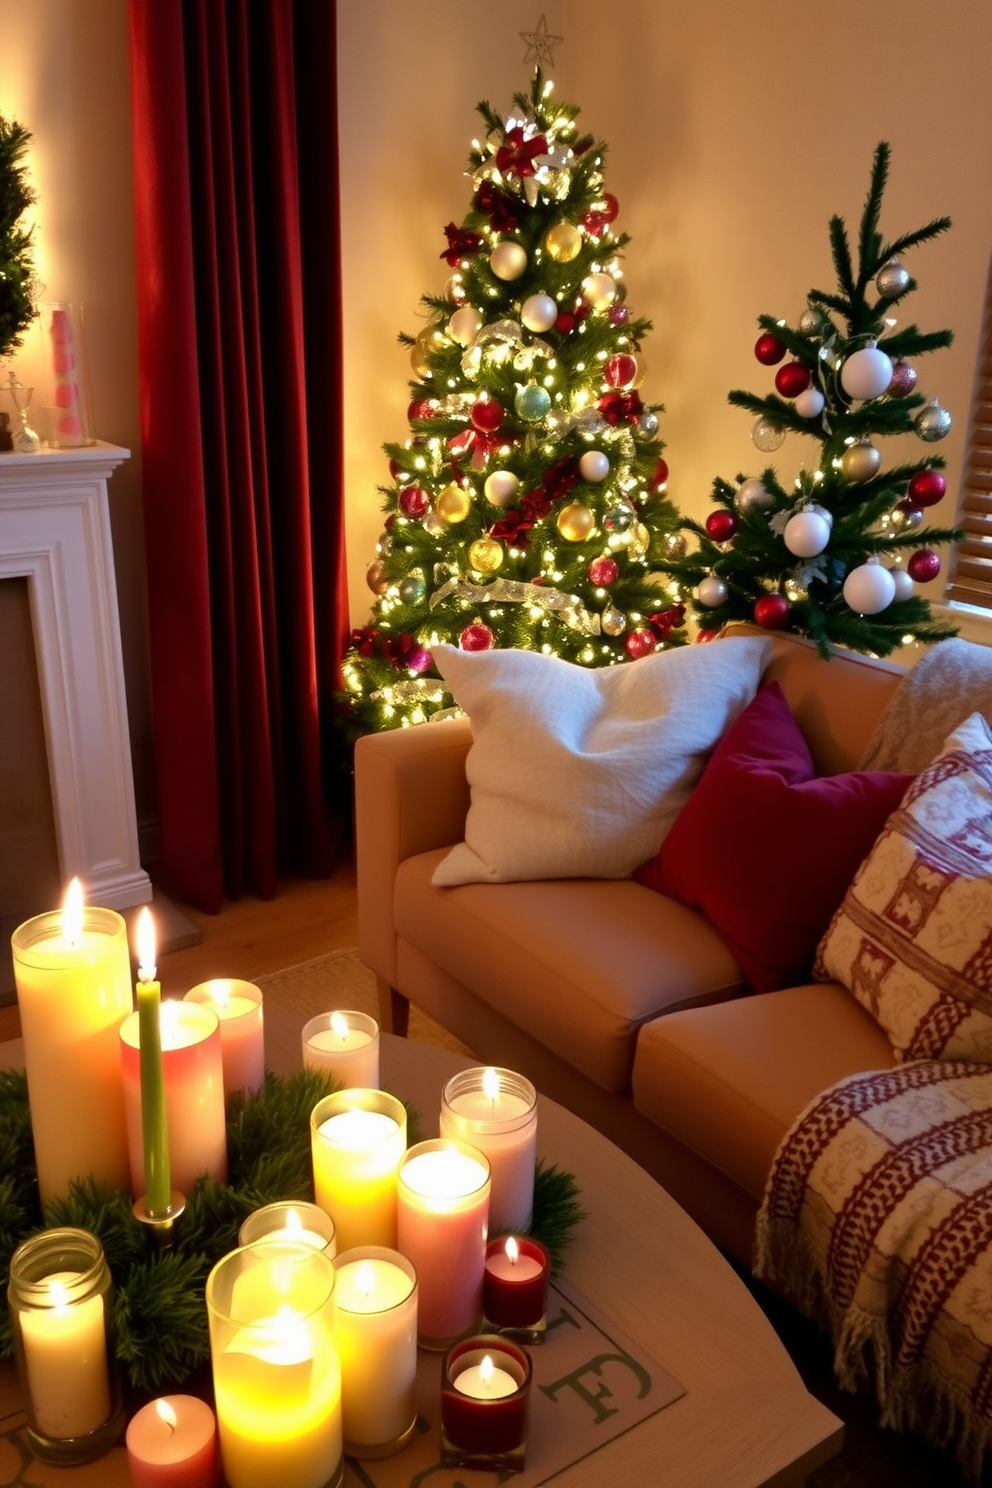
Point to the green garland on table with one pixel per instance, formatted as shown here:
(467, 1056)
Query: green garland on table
(159, 1311)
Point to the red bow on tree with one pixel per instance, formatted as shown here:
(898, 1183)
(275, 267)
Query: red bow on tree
(461, 244)
(663, 622)
(560, 477)
(499, 206)
(364, 640)
(476, 442)
(397, 648)
(617, 407)
(516, 156)
(514, 526)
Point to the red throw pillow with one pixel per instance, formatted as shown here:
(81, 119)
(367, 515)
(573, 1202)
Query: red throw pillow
(767, 850)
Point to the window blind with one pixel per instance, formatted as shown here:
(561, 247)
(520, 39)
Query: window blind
(971, 571)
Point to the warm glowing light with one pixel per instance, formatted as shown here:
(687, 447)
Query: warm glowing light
(490, 1085)
(512, 1250)
(486, 1369)
(365, 1279)
(339, 1025)
(145, 935)
(72, 913)
(166, 1414)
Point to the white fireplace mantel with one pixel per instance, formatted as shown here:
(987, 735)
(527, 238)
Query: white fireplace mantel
(55, 532)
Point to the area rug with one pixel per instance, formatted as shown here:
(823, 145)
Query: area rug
(340, 980)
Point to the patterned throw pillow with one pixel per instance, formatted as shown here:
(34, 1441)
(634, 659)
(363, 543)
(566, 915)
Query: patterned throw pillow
(913, 938)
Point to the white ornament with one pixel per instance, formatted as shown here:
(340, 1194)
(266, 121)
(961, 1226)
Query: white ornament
(905, 588)
(594, 465)
(870, 588)
(866, 373)
(598, 290)
(752, 495)
(711, 592)
(508, 259)
(501, 487)
(538, 312)
(807, 533)
(465, 325)
(809, 403)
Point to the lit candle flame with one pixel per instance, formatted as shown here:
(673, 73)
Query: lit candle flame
(166, 1414)
(486, 1369)
(294, 1224)
(220, 992)
(59, 1294)
(512, 1250)
(365, 1279)
(72, 913)
(339, 1025)
(145, 935)
(490, 1086)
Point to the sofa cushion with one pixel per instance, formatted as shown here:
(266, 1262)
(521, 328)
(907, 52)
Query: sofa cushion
(578, 964)
(728, 1082)
(913, 936)
(758, 809)
(579, 772)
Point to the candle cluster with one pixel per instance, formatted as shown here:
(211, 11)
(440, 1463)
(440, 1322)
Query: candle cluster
(315, 1319)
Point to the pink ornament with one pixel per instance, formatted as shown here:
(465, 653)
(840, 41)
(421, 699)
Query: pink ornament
(792, 379)
(640, 641)
(618, 314)
(903, 380)
(414, 501)
(923, 565)
(620, 370)
(926, 487)
(419, 660)
(487, 415)
(603, 572)
(771, 611)
(476, 637)
(721, 525)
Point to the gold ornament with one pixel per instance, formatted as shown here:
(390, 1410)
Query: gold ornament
(614, 622)
(563, 242)
(453, 504)
(486, 554)
(428, 342)
(575, 522)
(674, 545)
(860, 461)
(375, 577)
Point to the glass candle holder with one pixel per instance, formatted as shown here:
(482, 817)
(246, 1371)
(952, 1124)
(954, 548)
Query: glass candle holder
(238, 1005)
(358, 1138)
(60, 1298)
(485, 1404)
(293, 1220)
(276, 1368)
(376, 1296)
(515, 1288)
(345, 1045)
(496, 1111)
(442, 1215)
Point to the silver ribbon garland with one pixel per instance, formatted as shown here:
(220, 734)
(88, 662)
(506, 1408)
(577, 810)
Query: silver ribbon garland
(567, 607)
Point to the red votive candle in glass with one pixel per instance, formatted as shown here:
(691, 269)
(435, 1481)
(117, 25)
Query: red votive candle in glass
(515, 1287)
(172, 1443)
(485, 1404)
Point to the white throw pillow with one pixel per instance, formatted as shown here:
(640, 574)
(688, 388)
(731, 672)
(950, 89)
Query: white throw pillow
(579, 772)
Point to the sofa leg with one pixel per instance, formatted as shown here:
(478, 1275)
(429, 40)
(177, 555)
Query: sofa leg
(394, 1009)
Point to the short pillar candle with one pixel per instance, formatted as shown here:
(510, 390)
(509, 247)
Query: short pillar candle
(515, 1288)
(290, 1219)
(442, 1220)
(238, 1005)
(376, 1296)
(485, 1404)
(496, 1111)
(345, 1045)
(358, 1138)
(172, 1443)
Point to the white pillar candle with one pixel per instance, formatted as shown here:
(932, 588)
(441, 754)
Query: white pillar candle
(496, 1111)
(194, 1094)
(72, 972)
(376, 1296)
(65, 1358)
(238, 1005)
(358, 1138)
(290, 1220)
(346, 1046)
(442, 1221)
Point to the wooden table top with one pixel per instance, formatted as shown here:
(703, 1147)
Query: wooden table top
(745, 1420)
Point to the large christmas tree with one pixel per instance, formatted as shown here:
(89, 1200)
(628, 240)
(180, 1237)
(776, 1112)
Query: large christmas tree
(526, 508)
(824, 557)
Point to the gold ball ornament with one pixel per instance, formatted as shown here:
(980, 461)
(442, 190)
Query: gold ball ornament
(453, 504)
(575, 522)
(674, 545)
(375, 577)
(485, 554)
(860, 461)
(599, 290)
(614, 622)
(563, 242)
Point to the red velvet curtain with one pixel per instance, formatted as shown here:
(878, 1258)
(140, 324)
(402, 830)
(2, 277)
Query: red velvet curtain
(236, 177)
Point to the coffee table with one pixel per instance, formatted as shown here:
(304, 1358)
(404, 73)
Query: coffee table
(745, 1419)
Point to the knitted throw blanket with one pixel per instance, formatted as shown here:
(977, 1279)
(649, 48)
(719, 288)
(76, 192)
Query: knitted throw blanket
(877, 1223)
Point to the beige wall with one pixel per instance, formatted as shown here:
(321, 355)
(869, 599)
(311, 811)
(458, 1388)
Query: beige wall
(734, 132)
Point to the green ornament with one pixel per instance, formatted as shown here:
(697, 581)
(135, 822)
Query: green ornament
(532, 403)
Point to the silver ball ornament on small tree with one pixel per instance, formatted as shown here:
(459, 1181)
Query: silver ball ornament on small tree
(711, 592)
(752, 495)
(892, 279)
(767, 435)
(933, 423)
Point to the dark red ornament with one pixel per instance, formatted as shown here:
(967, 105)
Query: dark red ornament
(394, 469)
(487, 415)
(420, 408)
(926, 487)
(771, 611)
(640, 641)
(565, 324)
(769, 349)
(721, 525)
(903, 380)
(603, 572)
(792, 379)
(476, 637)
(595, 223)
(703, 637)
(923, 565)
(659, 477)
(610, 207)
(414, 501)
(620, 370)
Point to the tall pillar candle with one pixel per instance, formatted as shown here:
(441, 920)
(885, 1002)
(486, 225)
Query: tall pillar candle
(157, 1192)
(376, 1296)
(346, 1046)
(194, 1094)
(73, 977)
(496, 1111)
(238, 1005)
(358, 1138)
(276, 1367)
(441, 1222)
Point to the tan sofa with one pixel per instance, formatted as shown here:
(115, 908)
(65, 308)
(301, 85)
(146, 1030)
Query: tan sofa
(621, 1004)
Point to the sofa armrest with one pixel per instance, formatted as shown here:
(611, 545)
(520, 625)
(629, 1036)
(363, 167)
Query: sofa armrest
(411, 795)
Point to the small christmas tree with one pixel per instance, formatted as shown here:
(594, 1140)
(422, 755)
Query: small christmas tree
(810, 559)
(17, 278)
(527, 507)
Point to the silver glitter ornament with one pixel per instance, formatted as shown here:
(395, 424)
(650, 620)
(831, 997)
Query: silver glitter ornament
(892, 278)
(647, 425)
(767, 436)
(810, 323)
(933, 422)
(614, 622)
(674, 545)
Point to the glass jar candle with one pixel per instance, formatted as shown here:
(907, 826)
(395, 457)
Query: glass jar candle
(345, 1045)
(442, 1216)
(485, 1404)
(60, 1298)
(376, 1295)
(358, 1138)
(290, 1219)
(495, 1110)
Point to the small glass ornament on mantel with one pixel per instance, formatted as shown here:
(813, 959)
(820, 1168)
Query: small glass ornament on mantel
(23, 438)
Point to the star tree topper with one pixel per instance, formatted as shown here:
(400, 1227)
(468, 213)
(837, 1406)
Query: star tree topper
(541, 45)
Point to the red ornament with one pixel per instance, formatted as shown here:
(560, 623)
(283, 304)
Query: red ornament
(595, 223)
(926, 487)
(703, 637)
(487, 415)
(620, 370)
(659, 478)
(721, 525)
(565, 324)
(792, 379)
(640, 641)
(923, 565)
(420, 660)
(769, 349)
(771, 611)
(609, 206)
(394, 469)
(421, 408)
(903, 380)
(476, 637)
(603, 572)
(414, 501)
